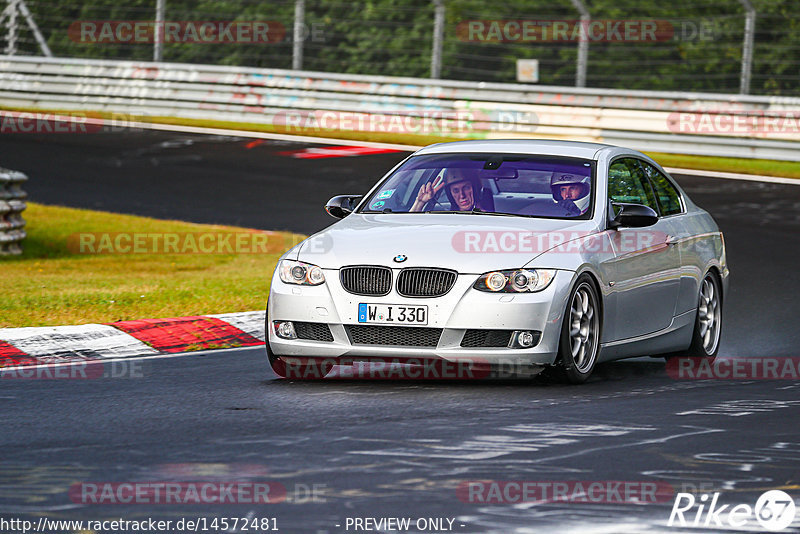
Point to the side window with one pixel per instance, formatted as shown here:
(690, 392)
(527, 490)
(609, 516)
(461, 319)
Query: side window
(627, 183)
(668, 197)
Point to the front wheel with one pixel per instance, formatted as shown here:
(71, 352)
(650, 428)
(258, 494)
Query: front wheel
(580, 334)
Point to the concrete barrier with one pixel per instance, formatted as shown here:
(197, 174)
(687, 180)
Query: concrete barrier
(683, 123)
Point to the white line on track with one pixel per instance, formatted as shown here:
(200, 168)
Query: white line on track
(735, 176)
(265, 135)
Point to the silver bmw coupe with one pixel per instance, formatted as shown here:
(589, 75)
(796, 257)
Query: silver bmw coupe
(544, 255)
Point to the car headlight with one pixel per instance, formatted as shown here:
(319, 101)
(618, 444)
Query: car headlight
(516, 281)
(303, 274)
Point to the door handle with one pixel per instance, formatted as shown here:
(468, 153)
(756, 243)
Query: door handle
(672, 240)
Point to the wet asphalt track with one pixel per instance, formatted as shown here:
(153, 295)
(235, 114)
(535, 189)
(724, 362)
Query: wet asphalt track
(388, 448)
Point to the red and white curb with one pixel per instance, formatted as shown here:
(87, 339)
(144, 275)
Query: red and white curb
(123, 339)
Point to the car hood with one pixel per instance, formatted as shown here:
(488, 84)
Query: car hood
(468, 243)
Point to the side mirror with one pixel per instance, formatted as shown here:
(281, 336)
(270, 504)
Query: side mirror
(633, 216)
(342, 205)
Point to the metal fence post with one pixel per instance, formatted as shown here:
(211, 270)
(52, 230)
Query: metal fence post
(158, 34)
(583, 44)
(299, 27)
(12, 28)
(10, 11)
(438, 39)
(23, 8)
(747, 46)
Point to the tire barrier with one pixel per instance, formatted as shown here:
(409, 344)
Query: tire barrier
(12, 204)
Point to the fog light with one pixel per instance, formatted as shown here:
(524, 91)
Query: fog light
(285, 330)
(524, 339)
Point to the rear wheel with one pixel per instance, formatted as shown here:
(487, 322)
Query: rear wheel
(580, 334)
(708, 322)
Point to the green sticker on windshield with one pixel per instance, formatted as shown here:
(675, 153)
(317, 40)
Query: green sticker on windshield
(386, 194)
(378, 205)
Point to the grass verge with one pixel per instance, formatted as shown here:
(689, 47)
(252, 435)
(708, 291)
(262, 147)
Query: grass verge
(54, 283)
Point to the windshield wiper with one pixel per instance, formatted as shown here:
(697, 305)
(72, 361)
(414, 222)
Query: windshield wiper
(477, 211)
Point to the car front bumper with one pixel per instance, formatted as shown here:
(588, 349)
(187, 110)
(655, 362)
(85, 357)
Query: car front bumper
(462, 308)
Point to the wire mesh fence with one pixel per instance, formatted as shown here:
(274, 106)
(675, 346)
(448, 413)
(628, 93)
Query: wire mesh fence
(693, 45)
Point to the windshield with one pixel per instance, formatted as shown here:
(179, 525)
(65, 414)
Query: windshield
(500, 184)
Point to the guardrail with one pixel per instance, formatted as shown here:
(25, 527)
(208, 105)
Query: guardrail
(11, 207)
(684, 123)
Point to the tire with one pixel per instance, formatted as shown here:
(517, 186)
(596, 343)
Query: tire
(708, 321)
(298, 367)
(579, 343)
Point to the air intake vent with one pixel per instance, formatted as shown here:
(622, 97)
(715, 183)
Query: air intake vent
(486, 338)
(424, 282)
(374, 281)
(404, 336)
(313, 331)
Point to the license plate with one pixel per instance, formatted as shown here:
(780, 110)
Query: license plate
(392, 314)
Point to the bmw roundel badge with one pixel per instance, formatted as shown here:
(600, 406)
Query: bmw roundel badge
(400, 258)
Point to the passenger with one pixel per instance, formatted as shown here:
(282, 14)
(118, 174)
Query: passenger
(571, 192)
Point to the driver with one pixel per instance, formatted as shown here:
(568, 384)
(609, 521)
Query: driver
(571, 192)
(461, 186)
